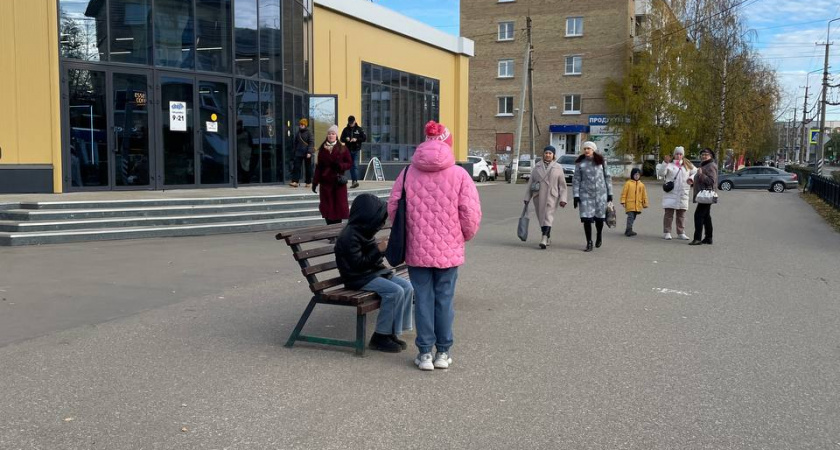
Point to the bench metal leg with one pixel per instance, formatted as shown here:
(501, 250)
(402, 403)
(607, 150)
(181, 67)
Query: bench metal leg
(301, 323)
(361, 333)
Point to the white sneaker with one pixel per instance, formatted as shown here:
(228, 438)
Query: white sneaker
(424, 361)
(442, 360)
(544, 242)
(683, 237)
(667, 236)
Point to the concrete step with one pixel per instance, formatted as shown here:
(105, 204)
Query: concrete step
(66, 236)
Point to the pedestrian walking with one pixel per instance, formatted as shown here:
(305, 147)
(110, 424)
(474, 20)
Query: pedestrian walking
(353, 136)
(704, 180)
(333, 162)
(360, 263)
(304, 145)
(676, 174)
(547, 189)
(443, 212)
(592, 186)
(634, 198)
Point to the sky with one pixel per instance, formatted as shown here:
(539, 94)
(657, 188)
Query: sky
(784, 33)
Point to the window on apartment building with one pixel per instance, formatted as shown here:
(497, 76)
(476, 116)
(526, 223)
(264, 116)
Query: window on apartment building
(505, 106)
(505, 68)
(571, 104)
(505, 31)
(574, 26)
(573, 65)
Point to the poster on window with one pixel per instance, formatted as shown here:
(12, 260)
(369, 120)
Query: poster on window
(177, 116)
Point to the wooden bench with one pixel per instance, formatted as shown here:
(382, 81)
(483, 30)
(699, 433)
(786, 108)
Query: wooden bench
(313, 250)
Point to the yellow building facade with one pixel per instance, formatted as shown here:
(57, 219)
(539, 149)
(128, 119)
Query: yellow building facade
(60, 134)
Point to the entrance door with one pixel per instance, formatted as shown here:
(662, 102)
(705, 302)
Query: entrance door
(131, 111)
(195, 128)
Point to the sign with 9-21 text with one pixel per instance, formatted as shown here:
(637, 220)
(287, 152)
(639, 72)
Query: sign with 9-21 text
(177, 116)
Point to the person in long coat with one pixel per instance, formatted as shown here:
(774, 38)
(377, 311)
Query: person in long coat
(675, 202)
(333, 161)
(705, 178)
(549, 176)
(592, 186)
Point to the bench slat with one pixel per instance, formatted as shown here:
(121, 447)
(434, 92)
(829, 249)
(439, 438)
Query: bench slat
(285, 234)
(318, 268)
(325, 284)
(314, 252)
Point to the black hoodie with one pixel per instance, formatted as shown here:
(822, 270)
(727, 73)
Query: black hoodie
(357, 256)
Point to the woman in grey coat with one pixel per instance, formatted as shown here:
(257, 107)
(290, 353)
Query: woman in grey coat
(592, 186)
(550, 182)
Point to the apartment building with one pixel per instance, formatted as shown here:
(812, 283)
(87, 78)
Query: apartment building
(577, 47)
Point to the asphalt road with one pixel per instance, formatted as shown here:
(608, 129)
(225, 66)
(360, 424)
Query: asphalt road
(643, 344)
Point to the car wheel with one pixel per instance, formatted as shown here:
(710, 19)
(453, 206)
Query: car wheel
(726, 186)
(482, 177)
(778, 187)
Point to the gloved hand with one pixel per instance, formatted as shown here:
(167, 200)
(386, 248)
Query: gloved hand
(315, 188)
(577, 202)
(609, 198)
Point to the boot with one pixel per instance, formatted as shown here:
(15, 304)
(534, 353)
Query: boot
(544, 242)
(695, 242)
(548, 242)
(293, 184)
(708, 240)
(403, 345)
(383, 343)
(598, 241)
(354, 185)
(588, 246)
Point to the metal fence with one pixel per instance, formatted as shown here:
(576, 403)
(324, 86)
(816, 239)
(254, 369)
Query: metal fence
(827, 189)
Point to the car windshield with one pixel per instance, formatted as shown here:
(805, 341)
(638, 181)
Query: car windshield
(567, 159)
(525, 163)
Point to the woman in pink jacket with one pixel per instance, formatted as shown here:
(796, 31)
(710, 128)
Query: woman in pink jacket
(444, 212)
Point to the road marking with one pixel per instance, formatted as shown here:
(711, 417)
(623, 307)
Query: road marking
(674, 291)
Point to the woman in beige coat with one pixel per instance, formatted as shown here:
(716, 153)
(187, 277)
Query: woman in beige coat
(547, 189)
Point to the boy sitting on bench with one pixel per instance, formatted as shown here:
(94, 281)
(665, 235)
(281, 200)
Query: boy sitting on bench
(360, 263)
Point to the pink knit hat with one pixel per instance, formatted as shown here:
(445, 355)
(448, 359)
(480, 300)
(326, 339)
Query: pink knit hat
(437, 132)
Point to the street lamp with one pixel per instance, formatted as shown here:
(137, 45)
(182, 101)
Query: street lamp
(821, 148)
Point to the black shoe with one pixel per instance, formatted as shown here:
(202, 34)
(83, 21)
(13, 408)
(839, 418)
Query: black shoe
(383, 343)
(627, 232)
(632, 233)
(598, 242)
(588, 246)
(708, 241)
(695, 242)
(399, 341)
(354, 185)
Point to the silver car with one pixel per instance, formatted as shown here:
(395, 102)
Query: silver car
(770, 178)
(568, 163)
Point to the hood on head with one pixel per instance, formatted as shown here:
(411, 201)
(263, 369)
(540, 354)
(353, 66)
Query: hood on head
(634, 172)
(368, 213)
(433, 156)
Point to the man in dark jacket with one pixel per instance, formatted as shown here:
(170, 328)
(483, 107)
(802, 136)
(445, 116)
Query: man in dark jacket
(360, 262)
(304, 149)
(353, 136)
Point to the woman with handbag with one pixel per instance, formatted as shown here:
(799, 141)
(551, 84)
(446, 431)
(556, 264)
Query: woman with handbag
(547, 189)
(705, 186)
(333, 161)
(592, 187)
(675, 175)
(443, 211)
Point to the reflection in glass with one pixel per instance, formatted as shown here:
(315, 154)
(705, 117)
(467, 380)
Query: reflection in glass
(247, 131)
(271, 41)
(213, 25)
(174, 34)
(268, 134)
(322, 115)
(88, 128)
(215, 139)
(291, 126)
(130, 30)
(131, 130)
(83, 31)
(245, 18)
(297, 29)
(176, 107)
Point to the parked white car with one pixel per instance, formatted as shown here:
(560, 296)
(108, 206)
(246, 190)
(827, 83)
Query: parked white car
(481, 169)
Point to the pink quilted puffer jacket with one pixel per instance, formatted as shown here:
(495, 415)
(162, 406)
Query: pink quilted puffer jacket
(444, 210)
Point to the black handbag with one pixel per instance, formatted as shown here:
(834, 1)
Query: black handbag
(395, 252)
(669, 186)
(342, 180)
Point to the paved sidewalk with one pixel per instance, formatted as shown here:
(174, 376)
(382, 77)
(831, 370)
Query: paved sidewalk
(642, 344)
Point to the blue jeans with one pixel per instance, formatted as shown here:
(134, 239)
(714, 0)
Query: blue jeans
(434, 291)
(354, 177)
(395, 308)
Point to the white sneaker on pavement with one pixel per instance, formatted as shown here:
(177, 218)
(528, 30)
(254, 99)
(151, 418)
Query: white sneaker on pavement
(424, 361)
(667, 236)
(683, 237)
(442, 360)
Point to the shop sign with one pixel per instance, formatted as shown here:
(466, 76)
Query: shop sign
(177, 116)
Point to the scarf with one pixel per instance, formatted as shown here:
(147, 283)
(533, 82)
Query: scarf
(329, 146)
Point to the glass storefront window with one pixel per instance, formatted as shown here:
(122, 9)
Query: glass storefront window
(131, 130)
(213, 35)
(83, 30)
(215, 140)
(248, 131)
(271, 41)
(245, 32)
(174, 34)
(269, 116)
(130, 31)
(88, 128)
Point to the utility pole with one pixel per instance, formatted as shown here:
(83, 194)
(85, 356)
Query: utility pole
(518, 137)
(821, 147)
(805, 140)
(531, 90)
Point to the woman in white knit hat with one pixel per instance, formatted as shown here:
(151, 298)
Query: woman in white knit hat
(675, 175)
(592, 186)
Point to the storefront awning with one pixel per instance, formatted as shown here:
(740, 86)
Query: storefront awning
(568, 128)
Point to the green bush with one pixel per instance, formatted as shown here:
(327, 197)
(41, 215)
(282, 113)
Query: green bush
(649, 169)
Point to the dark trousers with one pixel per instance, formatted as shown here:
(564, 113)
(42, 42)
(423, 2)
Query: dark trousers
(307, 165)
(354, 176)
(702, 218)
(631, 219)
